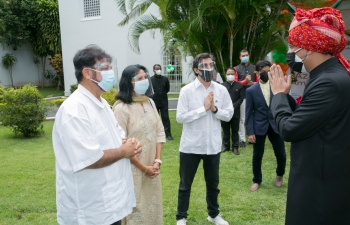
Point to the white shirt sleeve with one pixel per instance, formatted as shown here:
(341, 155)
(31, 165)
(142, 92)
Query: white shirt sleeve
(183, 113)
(80, 144)
(225, 113)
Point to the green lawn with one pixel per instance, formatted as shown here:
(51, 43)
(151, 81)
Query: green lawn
(173, 95)
(27, 184)
(50, 92)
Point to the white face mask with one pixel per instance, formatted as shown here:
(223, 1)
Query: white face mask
(230, 78)
(158, 72)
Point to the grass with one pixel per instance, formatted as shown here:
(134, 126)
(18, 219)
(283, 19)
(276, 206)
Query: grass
(173, 95)
(50, 92)
(27, 183)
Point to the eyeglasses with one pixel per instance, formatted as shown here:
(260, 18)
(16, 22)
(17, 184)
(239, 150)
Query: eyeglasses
(210, 65)
(103, 66)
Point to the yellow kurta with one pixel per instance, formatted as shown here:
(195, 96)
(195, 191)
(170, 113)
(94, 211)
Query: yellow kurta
(145, 125)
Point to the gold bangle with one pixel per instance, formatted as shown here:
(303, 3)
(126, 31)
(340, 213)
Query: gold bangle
(145, 171)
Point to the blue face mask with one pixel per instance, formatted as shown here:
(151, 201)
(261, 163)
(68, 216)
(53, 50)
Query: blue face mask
(141, 86)
(245, 59)
(108, 80)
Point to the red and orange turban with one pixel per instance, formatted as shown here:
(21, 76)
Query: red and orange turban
(319, 30)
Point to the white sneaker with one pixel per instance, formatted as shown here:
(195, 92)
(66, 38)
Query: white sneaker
(218, 220)
(181, 222)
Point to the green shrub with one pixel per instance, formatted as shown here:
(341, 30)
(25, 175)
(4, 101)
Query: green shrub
(57, 102)
(2, 90)
(24, 110)
(110, 96)
(73, 87)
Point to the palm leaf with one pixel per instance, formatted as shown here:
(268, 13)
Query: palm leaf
(135, 12)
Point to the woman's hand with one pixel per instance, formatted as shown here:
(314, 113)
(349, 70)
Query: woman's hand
(152, 171)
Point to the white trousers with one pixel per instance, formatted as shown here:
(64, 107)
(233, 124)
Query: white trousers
(241, 131)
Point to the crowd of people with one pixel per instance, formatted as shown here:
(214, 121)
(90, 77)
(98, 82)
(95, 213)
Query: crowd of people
(108, 161)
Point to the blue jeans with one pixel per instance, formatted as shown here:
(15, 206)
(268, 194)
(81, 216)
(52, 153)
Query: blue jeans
(188, 168)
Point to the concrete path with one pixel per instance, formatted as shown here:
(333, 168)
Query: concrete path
(172, 103)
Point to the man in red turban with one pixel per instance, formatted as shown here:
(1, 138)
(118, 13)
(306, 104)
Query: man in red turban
(319, 126)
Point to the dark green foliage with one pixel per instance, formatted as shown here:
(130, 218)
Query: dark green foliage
(24, 110)
(73, 87)
(8, 61)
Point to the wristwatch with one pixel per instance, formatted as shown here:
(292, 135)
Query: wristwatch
(216, 110)
(158, 161)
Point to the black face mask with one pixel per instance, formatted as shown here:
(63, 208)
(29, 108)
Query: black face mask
(264, 77)
(295, 66)
(206, 75)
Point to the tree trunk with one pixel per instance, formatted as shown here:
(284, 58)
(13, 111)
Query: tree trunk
(43, 64)
(231, 49)
(37, 66)
(10, 70)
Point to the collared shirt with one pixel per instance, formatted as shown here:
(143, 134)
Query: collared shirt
(243, 70)
(84, 127)
(201, 132)
(265, 88)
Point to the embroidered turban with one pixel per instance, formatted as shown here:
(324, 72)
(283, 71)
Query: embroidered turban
(319, 30)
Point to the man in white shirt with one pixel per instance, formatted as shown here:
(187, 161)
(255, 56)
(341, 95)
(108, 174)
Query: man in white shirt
(94, 183)
(202, 104)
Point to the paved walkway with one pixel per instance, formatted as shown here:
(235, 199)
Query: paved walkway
(172, 102)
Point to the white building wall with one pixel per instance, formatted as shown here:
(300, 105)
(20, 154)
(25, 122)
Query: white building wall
(25, 71)
(77, 33)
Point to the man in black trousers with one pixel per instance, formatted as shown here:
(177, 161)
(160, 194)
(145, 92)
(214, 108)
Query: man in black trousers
(259, 124)
(236, 91)
(319, 126)
(161, 88)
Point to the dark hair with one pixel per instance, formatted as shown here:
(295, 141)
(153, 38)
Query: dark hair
(261, 64)
(199, 58)
(125, 86)
(157, 65)
(243, 50)
(87, 57)
(232, 68)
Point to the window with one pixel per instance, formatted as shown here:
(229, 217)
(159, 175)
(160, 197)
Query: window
(173, 59)
(92, 8)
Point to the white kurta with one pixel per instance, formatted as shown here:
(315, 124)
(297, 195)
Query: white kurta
(84, 127)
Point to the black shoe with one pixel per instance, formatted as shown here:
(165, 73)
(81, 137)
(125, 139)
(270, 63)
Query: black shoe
(235, 151)
(242, 144)
(170, 138)
(225, 149)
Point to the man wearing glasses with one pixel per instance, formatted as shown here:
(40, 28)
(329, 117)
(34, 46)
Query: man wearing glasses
(94, 183)
(202, 104)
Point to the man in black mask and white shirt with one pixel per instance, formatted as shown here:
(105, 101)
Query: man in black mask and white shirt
(202, 104)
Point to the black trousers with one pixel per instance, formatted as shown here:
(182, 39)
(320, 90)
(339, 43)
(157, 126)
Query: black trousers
(117, 223)
(233, 126)
(188, 168)
(258, 153)
(164, 113)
